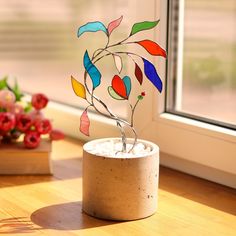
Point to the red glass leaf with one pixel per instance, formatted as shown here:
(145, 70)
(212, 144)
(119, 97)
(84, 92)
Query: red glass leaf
(119, 86)
(138, 73)
(152, 47)
(84, 123)
(114, 24)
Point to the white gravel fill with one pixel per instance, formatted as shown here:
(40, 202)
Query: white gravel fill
(113, 149)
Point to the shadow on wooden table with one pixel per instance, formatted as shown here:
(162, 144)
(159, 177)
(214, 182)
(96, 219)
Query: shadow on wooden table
(199, 190)
(17, 225)
(66, 216)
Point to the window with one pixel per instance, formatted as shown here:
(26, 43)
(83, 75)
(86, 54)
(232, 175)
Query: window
(39, 44)
(202, 71)
(189, 139)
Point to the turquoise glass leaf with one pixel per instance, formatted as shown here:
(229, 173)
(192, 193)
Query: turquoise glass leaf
(127, 83)
(92, 27)
(92, 70)
(151, 73)
(113, 94)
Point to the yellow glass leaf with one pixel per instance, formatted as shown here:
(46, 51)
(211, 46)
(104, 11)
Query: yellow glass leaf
(78, 88)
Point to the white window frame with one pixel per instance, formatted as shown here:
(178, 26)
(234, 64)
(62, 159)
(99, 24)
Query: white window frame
(195, 147)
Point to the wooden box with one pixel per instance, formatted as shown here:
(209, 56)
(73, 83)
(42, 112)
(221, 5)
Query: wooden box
(15, 159)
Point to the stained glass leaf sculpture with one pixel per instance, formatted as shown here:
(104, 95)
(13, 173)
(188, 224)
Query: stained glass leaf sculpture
(113, 94)
(114, 24)
(92, 27)
(138, 74)
(152, 47)
(78, 88)
(118, 62)
(84, 123)
(145, 25)
(151, 73)
(92, 70)
(121, 86)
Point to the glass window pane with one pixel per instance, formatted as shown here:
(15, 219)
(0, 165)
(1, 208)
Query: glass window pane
(39, 44)
(203, 72)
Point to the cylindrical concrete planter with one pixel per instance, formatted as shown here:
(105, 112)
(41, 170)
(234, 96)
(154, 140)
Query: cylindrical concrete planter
(120, 188)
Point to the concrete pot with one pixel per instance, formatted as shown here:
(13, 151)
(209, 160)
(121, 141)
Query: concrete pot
(120, 188)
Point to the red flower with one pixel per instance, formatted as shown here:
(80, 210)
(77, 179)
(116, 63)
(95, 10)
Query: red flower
(36, 115)
(56, 135)
(32, 139)
(24, 122)
(143, 94)
(43, 126)
(39, 101)
(7, 121)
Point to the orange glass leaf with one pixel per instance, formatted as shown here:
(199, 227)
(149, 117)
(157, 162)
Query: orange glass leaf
(152, 47)
(119, 86)
(84, 123)
(138, 74)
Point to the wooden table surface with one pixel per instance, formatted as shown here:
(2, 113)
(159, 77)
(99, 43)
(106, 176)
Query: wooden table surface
(51, 205)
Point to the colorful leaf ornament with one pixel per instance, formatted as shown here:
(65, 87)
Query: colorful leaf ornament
(84, 123)
(120, 87)
(92, 27)
(152, 47)
(114, 24)
(78, 88)
(113, 94)
(151, 73)
(118, 62)
(138, 74)
(92, 70)
(145, 25)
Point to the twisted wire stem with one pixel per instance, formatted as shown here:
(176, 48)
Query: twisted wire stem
(110, 115)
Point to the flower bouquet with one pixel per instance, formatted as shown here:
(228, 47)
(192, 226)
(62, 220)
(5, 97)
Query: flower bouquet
(23, 128)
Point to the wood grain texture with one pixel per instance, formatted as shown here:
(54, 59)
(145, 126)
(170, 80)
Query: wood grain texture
(16, 159)
(51, 205)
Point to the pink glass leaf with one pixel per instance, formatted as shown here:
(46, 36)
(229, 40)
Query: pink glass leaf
(114, 24)
(84, 123)
(118, 62)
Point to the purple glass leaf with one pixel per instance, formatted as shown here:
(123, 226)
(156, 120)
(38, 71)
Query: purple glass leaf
(151, 73)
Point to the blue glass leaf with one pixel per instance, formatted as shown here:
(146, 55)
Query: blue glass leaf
(92, 70)
(127, 83)
(92, 27)
(151, 73)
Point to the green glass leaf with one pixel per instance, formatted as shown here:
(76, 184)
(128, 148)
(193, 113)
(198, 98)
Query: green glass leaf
(113, 94)
(145, 25)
